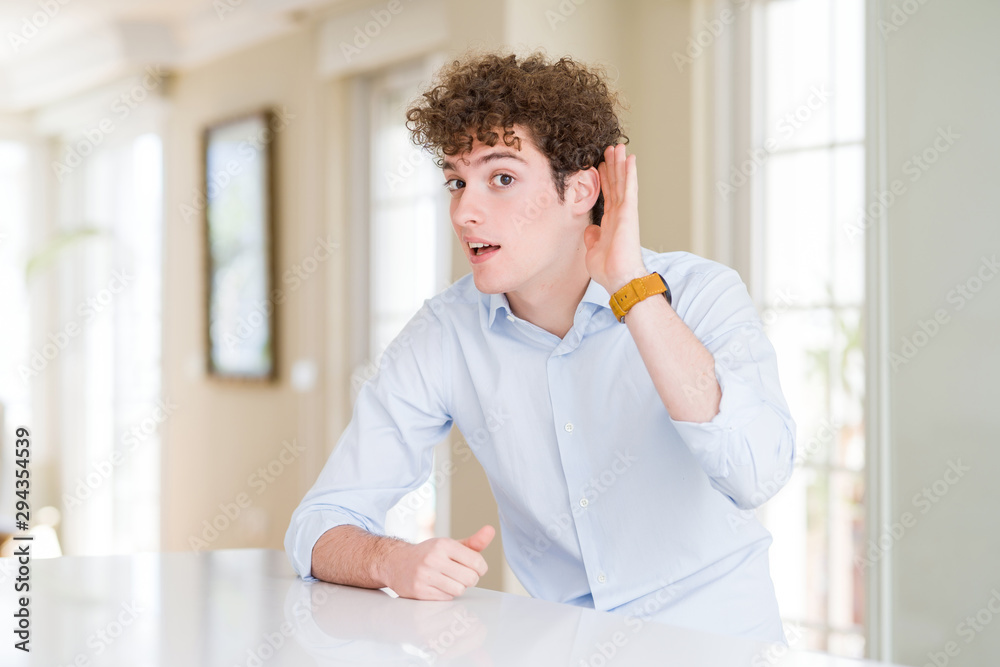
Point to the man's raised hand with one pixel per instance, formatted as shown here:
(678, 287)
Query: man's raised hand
(614, 256)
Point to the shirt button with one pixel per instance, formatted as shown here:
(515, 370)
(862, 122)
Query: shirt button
(601, 578)
(510, 317)
(569, 427)
(584, 502)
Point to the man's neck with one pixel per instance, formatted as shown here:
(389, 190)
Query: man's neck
(552, 304)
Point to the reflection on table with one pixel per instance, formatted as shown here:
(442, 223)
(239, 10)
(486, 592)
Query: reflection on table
(247, 608)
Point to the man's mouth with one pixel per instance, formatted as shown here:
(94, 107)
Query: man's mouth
(482, 248)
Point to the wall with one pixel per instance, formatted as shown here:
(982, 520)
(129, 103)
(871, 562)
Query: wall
(942, 65)
(660, 119)
(224, 431)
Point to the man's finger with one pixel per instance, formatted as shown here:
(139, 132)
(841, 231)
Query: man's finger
(609, 164)
(632, 182)
(464, 575)
(447, 585)
(602, 172)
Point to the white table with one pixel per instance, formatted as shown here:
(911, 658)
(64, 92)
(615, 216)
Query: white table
(247, 608)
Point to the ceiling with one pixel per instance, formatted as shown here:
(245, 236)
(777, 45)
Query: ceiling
(53, 49)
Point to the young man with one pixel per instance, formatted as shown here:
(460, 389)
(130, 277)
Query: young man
(625, 403)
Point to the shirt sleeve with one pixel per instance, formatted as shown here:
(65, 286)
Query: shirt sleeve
(387, 449)
(748, 449)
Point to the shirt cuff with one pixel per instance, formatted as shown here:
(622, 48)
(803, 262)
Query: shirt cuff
(708, 441)
(311, 526)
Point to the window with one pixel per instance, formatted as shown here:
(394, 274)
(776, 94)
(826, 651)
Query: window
(790, 115)
(15, 407)
(409, 256)
(808, 281)
(107, 287)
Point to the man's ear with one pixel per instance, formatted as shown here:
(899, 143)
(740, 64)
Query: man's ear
(585, 186)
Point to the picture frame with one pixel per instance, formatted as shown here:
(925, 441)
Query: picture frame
(239, 205)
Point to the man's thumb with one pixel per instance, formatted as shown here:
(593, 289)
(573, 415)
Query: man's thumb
(481, 539)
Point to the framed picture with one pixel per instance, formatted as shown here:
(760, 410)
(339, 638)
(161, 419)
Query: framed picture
(239, 241)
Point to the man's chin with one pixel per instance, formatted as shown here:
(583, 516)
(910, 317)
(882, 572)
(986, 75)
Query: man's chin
(488, 286)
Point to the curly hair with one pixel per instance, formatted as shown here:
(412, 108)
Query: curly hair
(568, 109)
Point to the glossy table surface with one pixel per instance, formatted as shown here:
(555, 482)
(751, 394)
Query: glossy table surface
(247, 608)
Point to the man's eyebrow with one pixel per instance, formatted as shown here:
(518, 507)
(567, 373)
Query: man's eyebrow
(489, 157)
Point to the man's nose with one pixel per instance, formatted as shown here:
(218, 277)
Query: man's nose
(468, 208)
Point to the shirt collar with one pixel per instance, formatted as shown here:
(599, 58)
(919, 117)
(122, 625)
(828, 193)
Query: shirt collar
(496, 302)
(595, 294)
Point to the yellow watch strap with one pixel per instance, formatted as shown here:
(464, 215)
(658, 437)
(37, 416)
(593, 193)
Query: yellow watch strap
(637, 290)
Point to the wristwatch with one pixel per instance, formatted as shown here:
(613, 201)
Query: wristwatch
(637, 290)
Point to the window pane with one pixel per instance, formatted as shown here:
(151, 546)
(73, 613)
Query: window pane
(815, 52)
(404, 249)
(817, 545)
(799, 556)
(789, 554)
(15, 355)
(13, 257)
(849, 70)
(803, 339)
(109, 379)
(847, 390)
(402, 170)
(848, 243)
(799, 90)
(139, 323)
(797, 204)
(811, 200)
(846, 530)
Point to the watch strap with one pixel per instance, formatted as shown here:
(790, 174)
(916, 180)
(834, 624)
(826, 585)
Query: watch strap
(637, 290)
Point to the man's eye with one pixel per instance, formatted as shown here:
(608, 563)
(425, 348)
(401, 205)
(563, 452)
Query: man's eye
(454, 184)
(504, 180)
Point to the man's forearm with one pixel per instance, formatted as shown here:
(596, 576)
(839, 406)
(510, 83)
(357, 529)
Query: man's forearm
(682, 369)
(352, 556)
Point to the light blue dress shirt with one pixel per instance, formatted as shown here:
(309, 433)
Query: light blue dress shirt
(604, 500)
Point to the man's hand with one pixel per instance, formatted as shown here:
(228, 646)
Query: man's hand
(614, 256)
(437, 569)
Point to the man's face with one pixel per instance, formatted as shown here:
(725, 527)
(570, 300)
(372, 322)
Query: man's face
(506, 198)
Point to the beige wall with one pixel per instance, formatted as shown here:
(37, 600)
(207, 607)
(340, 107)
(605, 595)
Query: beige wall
(223, 431)
(659, 121)
(942, 69)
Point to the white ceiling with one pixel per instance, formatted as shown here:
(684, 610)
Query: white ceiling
(78, 44)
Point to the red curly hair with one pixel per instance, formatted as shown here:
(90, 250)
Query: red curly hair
(568, 108)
